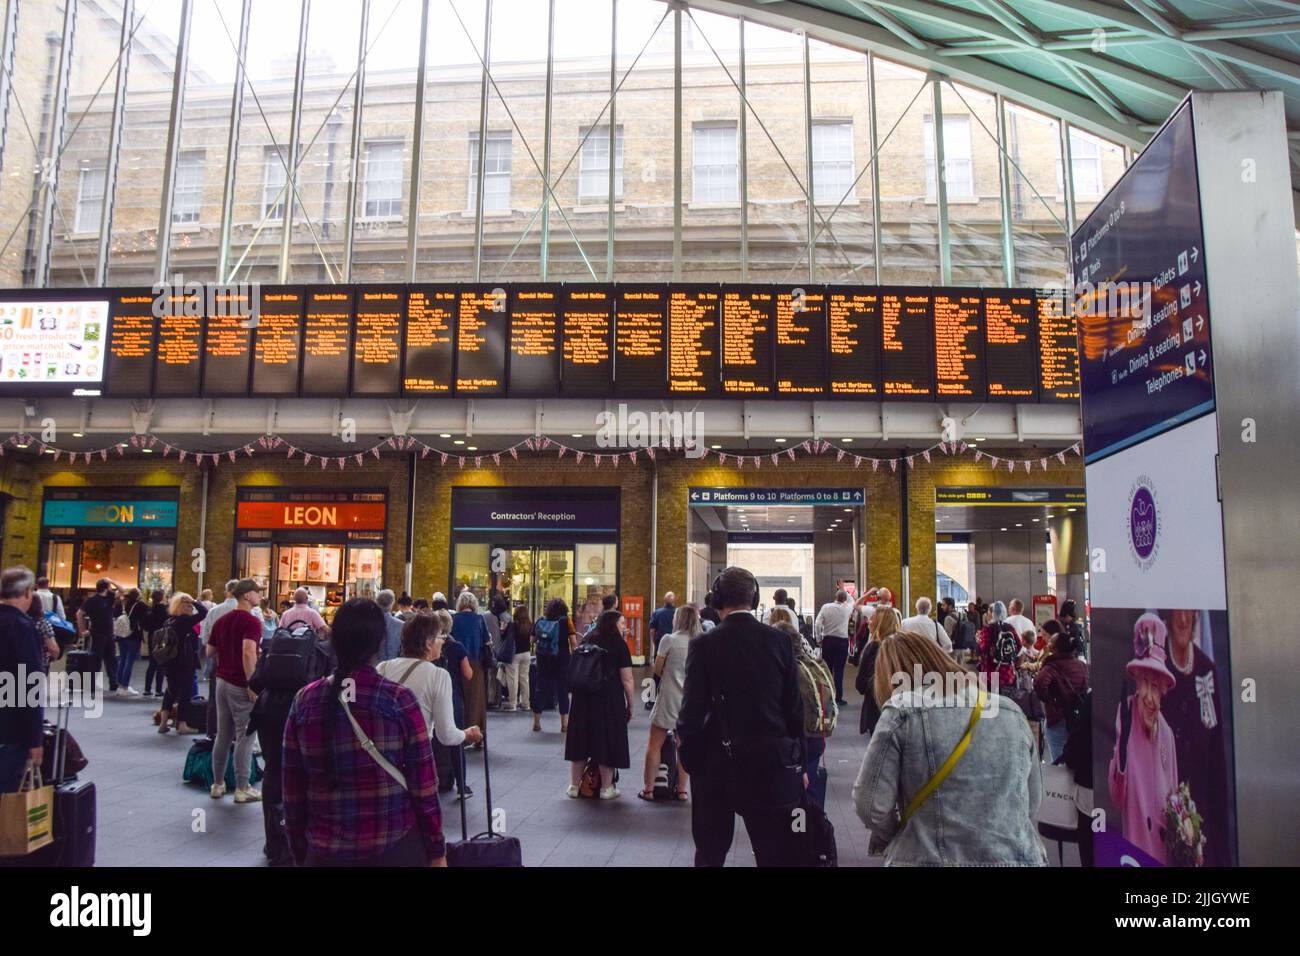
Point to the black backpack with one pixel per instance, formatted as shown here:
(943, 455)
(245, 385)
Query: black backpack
(586, 673)
(291, 659)
(165, 644)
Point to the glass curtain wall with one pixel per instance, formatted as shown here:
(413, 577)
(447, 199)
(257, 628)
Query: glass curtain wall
(744, 180)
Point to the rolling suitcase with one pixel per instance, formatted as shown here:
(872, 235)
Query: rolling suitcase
(74, 812)
(485, 849)
(665, 787)
(83, 662)
(195, 713)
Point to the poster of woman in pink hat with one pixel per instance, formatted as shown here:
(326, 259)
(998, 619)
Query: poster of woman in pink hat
(1168, 799)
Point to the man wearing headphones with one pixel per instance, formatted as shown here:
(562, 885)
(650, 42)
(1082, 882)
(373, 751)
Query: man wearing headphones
(741, 729)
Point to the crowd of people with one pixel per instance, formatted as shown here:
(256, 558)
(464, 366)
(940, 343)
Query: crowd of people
(362, 730)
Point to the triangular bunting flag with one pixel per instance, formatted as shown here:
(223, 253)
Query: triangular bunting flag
(1060, 456)
(893, 464)
(306, 459)
(103, 454)
(478, 461)
(56, 454)
(598, 457)
(758, 462)
(577, 455)
(632, 457)
(359, 458)
(839, 456)
(563, 449)
(909, 461)
(978, 454)
(323, 462)
(442, 456)
(1028, 466)
(722, 459)
(546, 443)
(927, 456)
(776, 458)
(964, 446)
(740, 461)
(460, 461)
(231, 454)
(1043, 462)
(180, 457)
(1011, 466)
(791, 454)
(875, 464)
(993, 461)
(496, 458)
(424, 451)
(1075, 448)
(375, 452)
(856, 461)
(650, 452)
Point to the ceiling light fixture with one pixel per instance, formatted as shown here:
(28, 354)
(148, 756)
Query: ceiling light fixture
(444, 434)
(780, 441)
(458, 441)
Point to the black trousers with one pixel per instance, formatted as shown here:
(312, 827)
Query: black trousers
(270, 731)
(835, 652)
(106, 648)
(713, 825)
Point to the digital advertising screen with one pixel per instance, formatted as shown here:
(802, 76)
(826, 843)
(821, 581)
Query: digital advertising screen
(52, 342)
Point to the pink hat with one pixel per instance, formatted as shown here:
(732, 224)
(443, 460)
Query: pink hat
(1149, 635)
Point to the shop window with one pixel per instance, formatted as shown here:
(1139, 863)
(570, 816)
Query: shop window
(156, 566)
(115, 560)
(470, 568)
(596, 568)
(58, 563)
(365, 571)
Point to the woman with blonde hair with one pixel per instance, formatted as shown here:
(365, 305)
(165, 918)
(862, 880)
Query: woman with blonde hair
(884, 623)
(984, 754)
(183, 617)
(670, 668)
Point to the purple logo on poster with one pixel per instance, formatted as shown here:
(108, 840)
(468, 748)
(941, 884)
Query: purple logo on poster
(1142, 522)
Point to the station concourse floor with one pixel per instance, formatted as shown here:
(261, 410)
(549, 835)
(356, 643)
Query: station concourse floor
(146, 814)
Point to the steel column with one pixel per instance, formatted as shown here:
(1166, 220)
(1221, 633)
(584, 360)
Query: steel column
(354, 158)
(50, 175)
(875, 163)
(417, 147)
(742, 133)
(941, 188)
(613, 136)
(544, 252)
(1004, 182)
(290, 191)
(114, 144)
(173, 140)
(677, 146)
(482, 143)
(1067, 184)
(8, 41)
(232, 143)
(808, 161)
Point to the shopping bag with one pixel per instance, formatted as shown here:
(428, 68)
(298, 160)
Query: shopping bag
(27, 817)
(1058, 806)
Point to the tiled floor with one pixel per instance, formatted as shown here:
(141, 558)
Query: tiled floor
(148, 817)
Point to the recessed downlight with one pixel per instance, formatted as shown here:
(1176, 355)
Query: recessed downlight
(779, 441)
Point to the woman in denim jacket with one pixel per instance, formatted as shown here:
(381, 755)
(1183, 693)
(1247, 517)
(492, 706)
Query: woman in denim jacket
(982, 813)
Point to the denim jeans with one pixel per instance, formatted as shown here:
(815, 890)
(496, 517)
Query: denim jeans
(816, 748)
(13, 765)
(130, 648)
(1056, 735)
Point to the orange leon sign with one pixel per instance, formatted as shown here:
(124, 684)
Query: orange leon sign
(323, 515)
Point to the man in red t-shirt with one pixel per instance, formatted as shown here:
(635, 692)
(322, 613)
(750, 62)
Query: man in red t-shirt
(234, 643)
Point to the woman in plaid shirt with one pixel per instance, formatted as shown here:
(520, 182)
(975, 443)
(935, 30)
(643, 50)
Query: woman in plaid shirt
(343, 806)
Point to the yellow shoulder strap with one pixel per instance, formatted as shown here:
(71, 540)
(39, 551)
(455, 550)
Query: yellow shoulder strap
(953, 758)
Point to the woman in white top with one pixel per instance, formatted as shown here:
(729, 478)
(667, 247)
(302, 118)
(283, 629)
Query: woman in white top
(670, 667)
(422, 639)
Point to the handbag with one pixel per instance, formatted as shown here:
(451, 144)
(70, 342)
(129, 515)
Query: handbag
(27, 817)
(763, 772)
(1058, 807)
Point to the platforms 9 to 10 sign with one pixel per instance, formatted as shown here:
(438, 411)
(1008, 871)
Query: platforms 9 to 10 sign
(589, 340)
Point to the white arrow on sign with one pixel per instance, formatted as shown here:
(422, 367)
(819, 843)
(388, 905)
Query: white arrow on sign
(1202, 357)
(695, 496)
(1200, 323)
(1197, 287)
(1195, 252)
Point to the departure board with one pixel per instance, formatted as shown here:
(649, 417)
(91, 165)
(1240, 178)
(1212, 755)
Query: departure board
(277, 341)
(227, 346)
(534, 340)
(853, 341)
(693, 314)
(179, 354)
(801, 341)
(327, 341)
(748, 323)
(481, 321)
(907, 327)
(587, 320)
(377, 340)
(959, 344)
(430, 354)
(129, 369)
(640, 340)
(1058, 349)
(1011, 354)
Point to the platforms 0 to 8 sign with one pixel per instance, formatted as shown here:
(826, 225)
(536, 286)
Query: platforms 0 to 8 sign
(1142, 303)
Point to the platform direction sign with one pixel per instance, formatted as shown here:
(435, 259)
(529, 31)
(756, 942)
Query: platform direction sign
(785, 497)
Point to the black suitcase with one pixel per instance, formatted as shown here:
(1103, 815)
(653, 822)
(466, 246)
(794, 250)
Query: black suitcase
(442, 763)
(665, 787)
(195, 713)
(83, 662)
(74, 814)
(485, 849)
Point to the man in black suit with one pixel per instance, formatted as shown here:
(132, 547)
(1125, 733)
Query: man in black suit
(741, 729)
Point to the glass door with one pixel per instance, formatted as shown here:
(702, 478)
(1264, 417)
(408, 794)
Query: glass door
(531, 575)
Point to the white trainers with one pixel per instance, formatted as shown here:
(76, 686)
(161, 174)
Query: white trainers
(132, 692)
(123, 692)
(610, 793)
(248, 795)
(571, 791)
(218, 791)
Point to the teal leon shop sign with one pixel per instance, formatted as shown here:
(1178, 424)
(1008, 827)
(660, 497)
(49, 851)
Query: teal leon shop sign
(91, 513)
